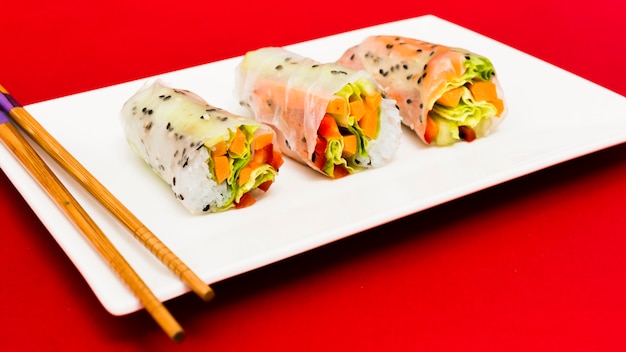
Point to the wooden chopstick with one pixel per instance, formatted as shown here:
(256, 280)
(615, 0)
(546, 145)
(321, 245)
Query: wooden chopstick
(48, 143)
(39, 170)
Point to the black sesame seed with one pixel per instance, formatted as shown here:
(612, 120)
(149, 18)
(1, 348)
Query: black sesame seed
(338, 72)
(279, 67)
(174, 181)
(351, 57)
(389, 46)
(409, 101)
(206, 207)
(315, 66)
(408, 78)
(421, 106)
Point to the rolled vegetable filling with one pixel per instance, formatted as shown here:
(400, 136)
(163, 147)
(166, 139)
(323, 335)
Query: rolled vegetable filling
(243, 162)
(352, 119)
(444, 94)
(212, 159)
(465, 108)
(333, 119)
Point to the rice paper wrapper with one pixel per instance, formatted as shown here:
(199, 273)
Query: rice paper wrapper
(416, 74)
(173, 131)
(290, 93)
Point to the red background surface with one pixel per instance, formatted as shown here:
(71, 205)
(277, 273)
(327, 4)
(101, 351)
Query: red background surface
(536, 264)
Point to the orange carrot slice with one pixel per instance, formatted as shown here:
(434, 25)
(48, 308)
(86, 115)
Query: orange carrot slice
(219, 149)
(486, 91)
(238, 144)
(369, 123)
(349, 146)
(373, 101)
(451, 97)
(337, 106)
(261, 141)
(483, 90)
(244, 174)
(221, 167)
(357, 109)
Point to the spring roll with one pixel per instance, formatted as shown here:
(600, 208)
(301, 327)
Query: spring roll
(213, 160)
(326, 116)
(444, 94)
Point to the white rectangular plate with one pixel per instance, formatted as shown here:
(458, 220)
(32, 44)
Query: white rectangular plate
(300, 212)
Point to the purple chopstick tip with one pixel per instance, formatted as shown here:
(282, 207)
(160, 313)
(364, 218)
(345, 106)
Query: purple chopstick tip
(7, 102)
(4, 117)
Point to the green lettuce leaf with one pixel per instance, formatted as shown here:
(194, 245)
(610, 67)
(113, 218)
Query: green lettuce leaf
(468, 112)
(355, 91)
(258, 176)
